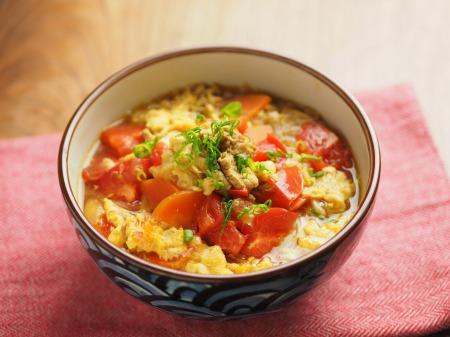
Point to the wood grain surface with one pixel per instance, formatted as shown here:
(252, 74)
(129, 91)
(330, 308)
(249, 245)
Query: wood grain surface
(52, 53)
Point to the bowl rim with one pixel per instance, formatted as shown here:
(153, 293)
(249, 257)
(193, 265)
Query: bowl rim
(362, 211)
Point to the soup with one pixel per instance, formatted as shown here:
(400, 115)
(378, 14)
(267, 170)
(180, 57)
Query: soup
(219, 180)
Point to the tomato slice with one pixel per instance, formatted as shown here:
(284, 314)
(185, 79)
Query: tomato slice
(238, 205)
(210, 220)
(210, 215)
(122, 138)
(243, 192)
(258, 133)
(103, 226)
(120, 182)
(96, 168)
(270, 144)
(298, 203)
(175, 263)
(156, 156)
(155, 190)
(269, 229)
(339, 155)
(275, 140)
(323, 142)
(251, 105)
(231, 240)
(179, 209)
(283, 192)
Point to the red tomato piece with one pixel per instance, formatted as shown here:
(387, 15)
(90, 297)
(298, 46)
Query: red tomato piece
(317, 165)
(238, 205)
(298, 203)
(122, 138)
(284, 191)
(317, 137)
(231, 240)
(179, 209)
(270, 144)
(156, 156)
(120, 182)
(210, 215)
(244, 228)
(274, 140)
(210, 221)
(96, 169)
(339, 155)
(155, 190)
(243, 192)
(269, 229)
(175, 263)
(323, 142)
(251, 105)
(103, 226)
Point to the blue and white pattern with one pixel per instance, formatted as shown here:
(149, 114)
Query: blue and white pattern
(204, 300)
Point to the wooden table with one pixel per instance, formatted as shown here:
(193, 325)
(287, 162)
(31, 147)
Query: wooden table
(52, 53)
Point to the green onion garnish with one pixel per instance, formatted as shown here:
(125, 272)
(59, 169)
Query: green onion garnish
(256, 209)
(145, 149)
(232, 109)
(218, 185)
(258, 166)
(242, 162)
(188, 235)
(200, 118)
(318, 174)
(307, 156)
(274, 155)
(141, 150)
(228, 205)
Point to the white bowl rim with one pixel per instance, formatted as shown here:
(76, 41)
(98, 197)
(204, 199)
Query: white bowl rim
(361, 213)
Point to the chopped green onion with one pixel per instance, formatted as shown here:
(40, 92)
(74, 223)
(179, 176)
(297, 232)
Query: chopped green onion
(199, 118)
(228, 205)
(289, 155)
(242, 162)
(274, 155)
(145, 149)
(200, 183)
(141, 150)
(218, 185)
(188, 235)
(307, 156)
(258, 166)
(319, 174)
(232, 109)
(256, 209)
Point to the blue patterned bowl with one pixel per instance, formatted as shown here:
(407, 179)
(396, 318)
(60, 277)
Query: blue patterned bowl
(217, 296)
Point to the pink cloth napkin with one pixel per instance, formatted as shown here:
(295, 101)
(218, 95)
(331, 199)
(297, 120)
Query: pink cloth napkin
(397, 282)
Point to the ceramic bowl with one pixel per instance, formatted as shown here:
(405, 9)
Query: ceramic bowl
(217, 296)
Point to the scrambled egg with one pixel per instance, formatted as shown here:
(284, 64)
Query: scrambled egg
(124, 222)
(140, 233)
(179, 112)
(159, 121)
(250, 265)
(334, 188)
(208, 260)
(315, 234)
(185, 176)
(284, 122)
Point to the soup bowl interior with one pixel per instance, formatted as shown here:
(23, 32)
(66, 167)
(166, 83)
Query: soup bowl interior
(263, 71)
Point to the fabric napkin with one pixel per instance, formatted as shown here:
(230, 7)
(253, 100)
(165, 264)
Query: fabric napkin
(397, 282)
